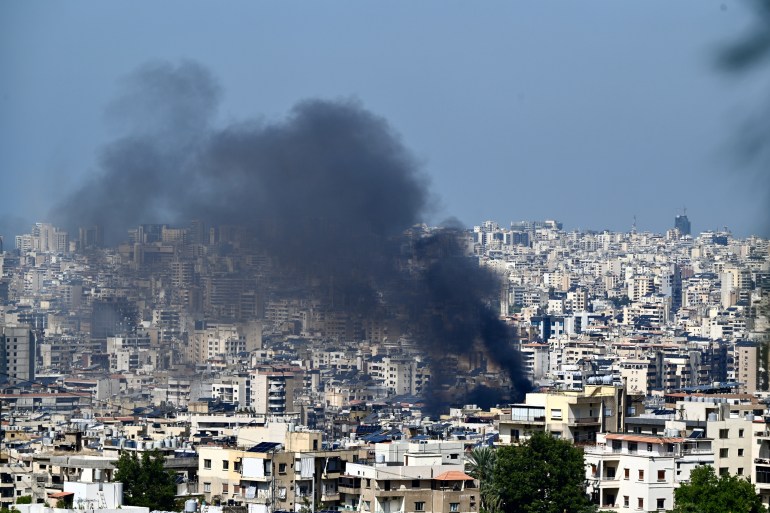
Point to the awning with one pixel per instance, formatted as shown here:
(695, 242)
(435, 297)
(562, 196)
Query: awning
(60, 495)
(453, 475)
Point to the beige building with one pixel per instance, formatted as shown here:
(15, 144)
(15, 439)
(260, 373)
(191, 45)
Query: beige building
(575, 415)
(410, 477)
(272, 476)
(274, 390)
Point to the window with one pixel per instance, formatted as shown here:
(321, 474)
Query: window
(649, 447)
(225, 488)
(724, 433)
(632, 446)
(661, 503)
(723, 471)
(740, 433)
(555, 413)
(740, 452)
(454, 506)
(625, 501)
(639, 503)
(626, 473)
(661, 475)
(454, 456)
(723, 453)
(282, 468)
(419, 506)
(740, 471)
(415, 483)
(225, 465)
(237, 466)
(207, 487)
(207, 464)
(641, 475)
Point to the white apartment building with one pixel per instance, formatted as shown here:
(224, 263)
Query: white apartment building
(632, 472)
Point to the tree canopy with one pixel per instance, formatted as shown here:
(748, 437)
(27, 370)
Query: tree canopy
(708, 493)
(480, 464)
(543, 475)
(145, 481)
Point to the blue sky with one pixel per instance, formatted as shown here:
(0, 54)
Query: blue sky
(588, 112)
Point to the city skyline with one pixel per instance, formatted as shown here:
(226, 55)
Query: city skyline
(489, 117)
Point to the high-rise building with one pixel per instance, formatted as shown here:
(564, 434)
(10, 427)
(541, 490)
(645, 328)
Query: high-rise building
(273, 390)
(17, 355)
(682, 224)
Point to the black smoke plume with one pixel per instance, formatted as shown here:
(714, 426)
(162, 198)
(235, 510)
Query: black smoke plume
(328, 192)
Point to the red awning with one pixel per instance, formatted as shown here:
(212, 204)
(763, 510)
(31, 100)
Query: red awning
(60, 495)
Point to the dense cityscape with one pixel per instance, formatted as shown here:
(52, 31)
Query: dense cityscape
(384, 257)
(267, 389)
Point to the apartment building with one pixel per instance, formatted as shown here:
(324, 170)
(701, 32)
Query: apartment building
(630, 472)
(410, 478)
(575, 415)
(273, 476)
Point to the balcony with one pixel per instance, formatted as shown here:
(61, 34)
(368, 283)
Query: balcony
(583, 421)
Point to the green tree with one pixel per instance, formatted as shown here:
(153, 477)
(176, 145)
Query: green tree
(24, 499)
(480, 464)
(543, 475)
(708, 493)
(145, 481)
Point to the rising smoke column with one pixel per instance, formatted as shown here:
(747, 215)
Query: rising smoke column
(327, 192)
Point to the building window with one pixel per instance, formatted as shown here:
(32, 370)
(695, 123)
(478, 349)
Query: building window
(282, 468)
(723, 453)
(632, 447)
(724, 433)
(225, 488)
(641, 475)
(454, 506)
(740, 452)
(626, 473)
(207, 487)
(415, 483)
(237, 466)
(740, 433)
(555, 413)
(207, 464)
(661, 503)
(740, 471)
(419, 506)
(626, 501)
(723, 471)
(639, 503)
(225, 465)
(661, 475)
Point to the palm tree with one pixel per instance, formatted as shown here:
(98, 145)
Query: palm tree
(480, 464)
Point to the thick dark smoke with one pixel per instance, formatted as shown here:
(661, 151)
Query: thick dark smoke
(328, 193)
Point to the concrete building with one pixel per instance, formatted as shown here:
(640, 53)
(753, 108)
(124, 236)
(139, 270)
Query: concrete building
(17, 356)
(630, 472)
(274, 390)
(410, 477)
(574, 415)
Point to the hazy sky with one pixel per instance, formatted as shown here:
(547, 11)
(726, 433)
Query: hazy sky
(589, 112)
